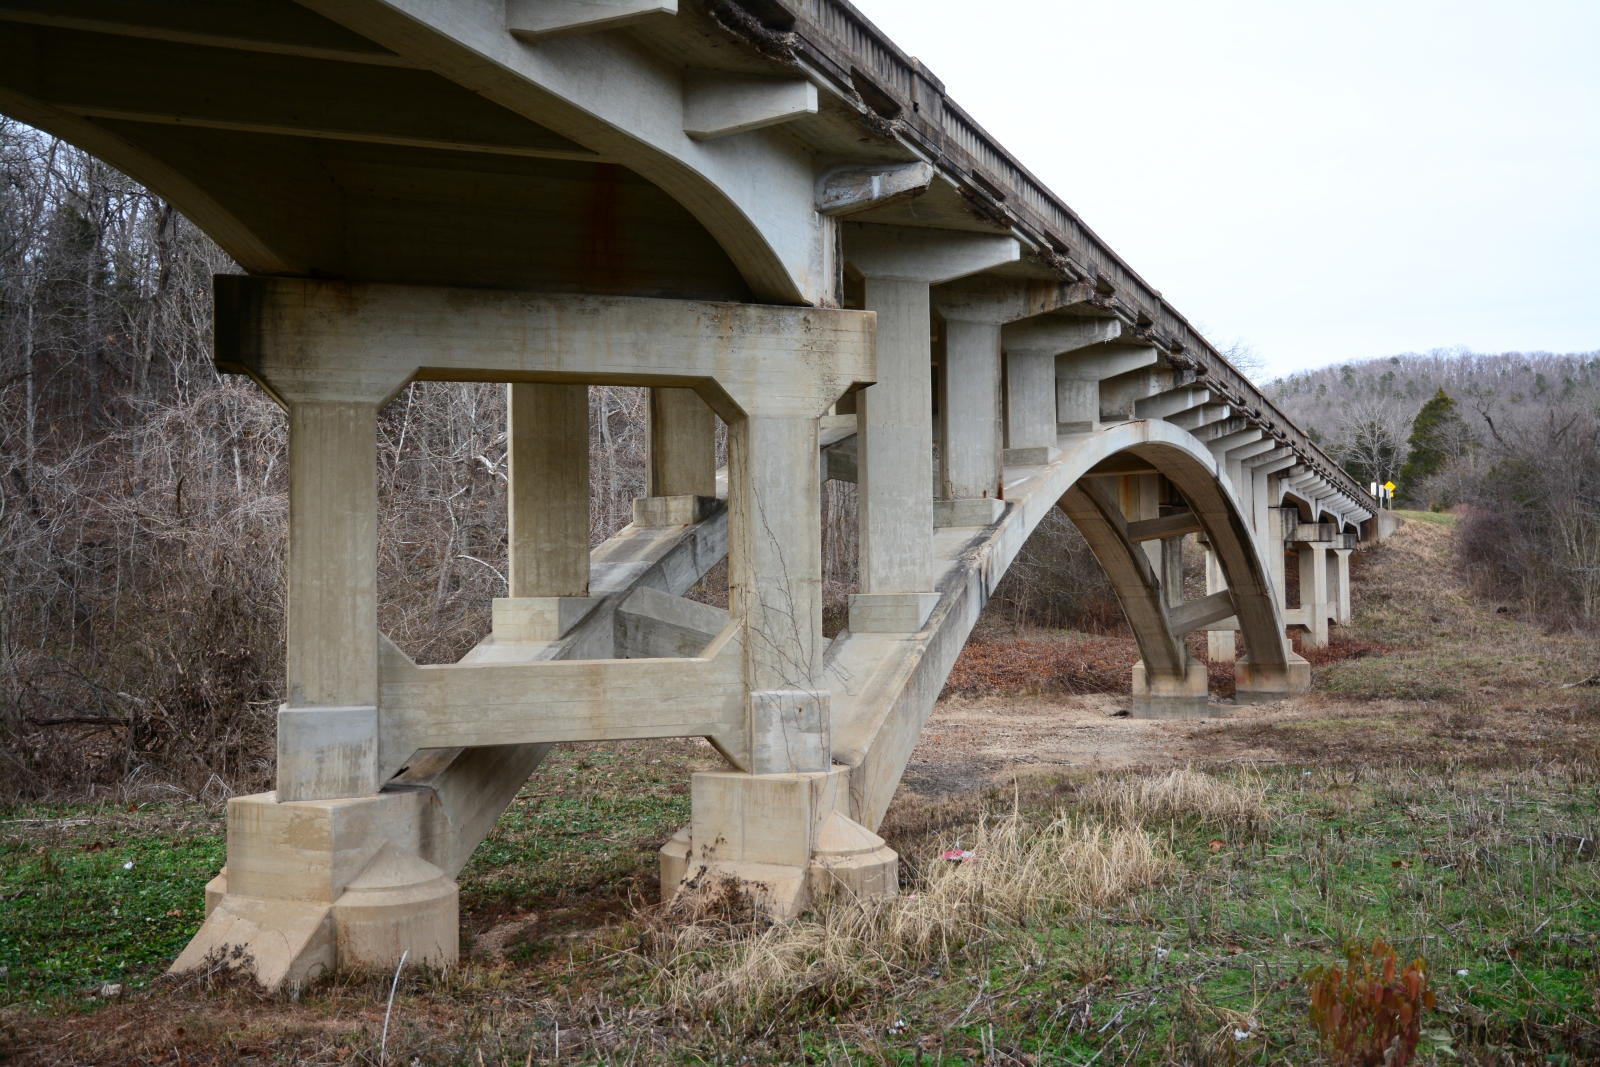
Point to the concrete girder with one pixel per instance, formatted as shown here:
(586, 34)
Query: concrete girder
(293, 335)
(721, 105)
(1204, 415)
(843, 191)
(1168, 404)
(537, 20)
(754, 193)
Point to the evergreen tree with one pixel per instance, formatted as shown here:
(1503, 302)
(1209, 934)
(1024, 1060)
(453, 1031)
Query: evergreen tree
(1435, 433)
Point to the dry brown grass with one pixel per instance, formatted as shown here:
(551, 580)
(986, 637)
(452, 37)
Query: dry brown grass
(1178, 794)
(1023, 873)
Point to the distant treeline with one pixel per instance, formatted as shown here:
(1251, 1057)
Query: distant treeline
(1512, 439)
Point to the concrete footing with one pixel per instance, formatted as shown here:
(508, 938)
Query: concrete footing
(1261, 685)
(672, 510)
(784, 838)
(1157, 696)
(1032, 456)
(890, 613)
(971, 511)
(314, 886)
(538, 618)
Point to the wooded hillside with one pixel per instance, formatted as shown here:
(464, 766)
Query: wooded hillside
(1512, 437)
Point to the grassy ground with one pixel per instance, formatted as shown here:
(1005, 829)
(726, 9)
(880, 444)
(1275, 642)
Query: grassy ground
(1442, 791)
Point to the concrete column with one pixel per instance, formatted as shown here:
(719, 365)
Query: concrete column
(1050, 358)
(1314, 592)
(328, 729)
(1139, 496)
(895, 458)
(1172, 570)
(775, 586)
(1079, 375)
(1030, 405)
(683, 460)
(547, 493)
(1220, 644)
(1339, 581)
(894, 416)
(970, 431)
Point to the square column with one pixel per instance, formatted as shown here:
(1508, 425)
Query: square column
(1030, 405)
(775, 587)
(547, 493)
(1172, 570)
(1314, 591)
(970, 429)
(1339, 586)
(328, 729)
(1220, 644)
(683, 460)
(894, 416)
(895, 455)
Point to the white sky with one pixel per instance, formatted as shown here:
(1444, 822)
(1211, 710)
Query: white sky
(1322, 181)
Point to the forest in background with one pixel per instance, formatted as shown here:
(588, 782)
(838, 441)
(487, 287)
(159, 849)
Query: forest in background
(1512, 439)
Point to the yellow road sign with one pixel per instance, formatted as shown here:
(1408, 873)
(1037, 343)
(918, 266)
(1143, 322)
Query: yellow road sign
(1389, 486)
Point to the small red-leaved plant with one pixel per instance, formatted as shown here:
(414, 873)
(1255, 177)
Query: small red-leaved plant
(1369, 1012)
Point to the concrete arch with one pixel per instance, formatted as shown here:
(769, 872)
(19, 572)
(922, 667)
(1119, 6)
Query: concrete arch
(1213, 502)
(881, 702)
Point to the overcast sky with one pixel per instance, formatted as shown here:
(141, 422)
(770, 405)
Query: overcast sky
(1320, 181)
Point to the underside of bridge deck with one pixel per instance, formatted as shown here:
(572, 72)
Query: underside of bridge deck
(770, 216)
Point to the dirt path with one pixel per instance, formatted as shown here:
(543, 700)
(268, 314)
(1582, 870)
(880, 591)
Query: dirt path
(971, 740)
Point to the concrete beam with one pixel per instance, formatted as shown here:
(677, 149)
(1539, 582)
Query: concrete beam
(475, 704)
(843, 191)
(654, 625)
(1198, 614)
(1171, 403)
(231, 27)
(929, 256)
(536, 20)
(297, 334)
(720, 105)
(1205, 414)
(1176, 524)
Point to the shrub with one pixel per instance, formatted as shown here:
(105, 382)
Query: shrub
(1369, 1012)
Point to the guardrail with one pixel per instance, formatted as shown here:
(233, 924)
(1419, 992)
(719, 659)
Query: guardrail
(841, 44)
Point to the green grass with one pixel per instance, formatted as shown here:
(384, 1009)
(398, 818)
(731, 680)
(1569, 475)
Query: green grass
(102, 898)
(588, 823)
(1482, 875)
(1437, 518)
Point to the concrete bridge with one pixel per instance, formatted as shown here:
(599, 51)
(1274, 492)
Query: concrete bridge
(769, 215)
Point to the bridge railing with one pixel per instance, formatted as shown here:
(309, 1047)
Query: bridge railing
(842, 44)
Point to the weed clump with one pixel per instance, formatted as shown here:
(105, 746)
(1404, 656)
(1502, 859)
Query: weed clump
(1021, 873)
(1369, 1012)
